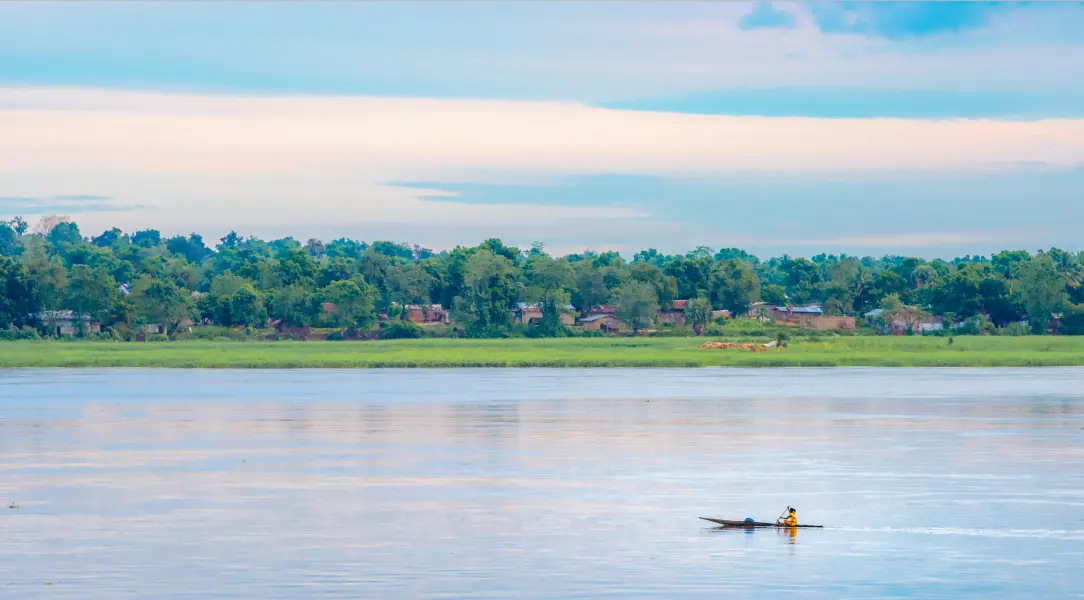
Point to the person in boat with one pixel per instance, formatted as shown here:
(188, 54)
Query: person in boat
(791, 519)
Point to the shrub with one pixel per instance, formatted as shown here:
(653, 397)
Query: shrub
(1016, 329)
(25, 333)
(1072, 320)
(976, 325)
(401, 330)
(157, 337)
(209, 332)
(214, 332)
(715, 330)
(536, 332)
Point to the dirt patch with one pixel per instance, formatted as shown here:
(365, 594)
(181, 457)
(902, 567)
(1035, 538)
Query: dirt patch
(732, 346)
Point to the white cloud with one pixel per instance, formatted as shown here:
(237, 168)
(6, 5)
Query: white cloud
(213, 162)
(91, 130)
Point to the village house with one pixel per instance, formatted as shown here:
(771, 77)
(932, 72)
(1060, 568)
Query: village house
(602, 309)
(809, 315)
(603, 323)
(425, 313)
(899, 326)
(527, 314)
(65, 322)
(675, 315)
(758, 310)
(419, 313)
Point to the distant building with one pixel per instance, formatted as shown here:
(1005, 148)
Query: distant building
(425, 313)
(675, 315)
(604, 323)
(899, 325)
(809, 315)
(602, 309)
(758, 309)
(532, 313)
(65, 322)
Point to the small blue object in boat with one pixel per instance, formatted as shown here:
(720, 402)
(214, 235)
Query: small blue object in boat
(749, 520)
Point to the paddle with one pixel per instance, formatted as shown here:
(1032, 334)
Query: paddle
(785, 512)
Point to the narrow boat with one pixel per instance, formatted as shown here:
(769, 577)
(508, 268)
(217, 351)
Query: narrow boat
(748, 525)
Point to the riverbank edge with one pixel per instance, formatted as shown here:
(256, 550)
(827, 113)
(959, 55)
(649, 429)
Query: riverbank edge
(645, 353)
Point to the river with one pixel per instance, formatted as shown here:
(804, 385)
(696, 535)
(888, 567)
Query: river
(931, 483)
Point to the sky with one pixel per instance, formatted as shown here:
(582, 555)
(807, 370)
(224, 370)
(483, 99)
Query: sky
(932, 129)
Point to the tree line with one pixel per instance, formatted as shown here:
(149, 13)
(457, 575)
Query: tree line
(125, 280)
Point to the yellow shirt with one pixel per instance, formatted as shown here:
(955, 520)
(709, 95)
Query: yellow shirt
(791, 520)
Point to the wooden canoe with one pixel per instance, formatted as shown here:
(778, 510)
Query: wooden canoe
(744, 525)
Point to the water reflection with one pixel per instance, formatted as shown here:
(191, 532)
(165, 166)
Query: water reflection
(540, 483)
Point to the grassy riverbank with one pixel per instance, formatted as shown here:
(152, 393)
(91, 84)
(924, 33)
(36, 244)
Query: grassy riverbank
(567, 352)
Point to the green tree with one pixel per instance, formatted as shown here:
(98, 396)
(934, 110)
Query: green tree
(895, 311)
(728, 253)
(9, 240)
(698, 314)
(314, 247)
(47, 273)
(353, 303)
(375, 267)
(1043, 291)
(162, 302)
(773, 294)
(999, 302)
(591, 289)
(294, 305)
(1072, 320)
(91, 292)
(18, 296)
(692, 274)
(19, 225)
(491, 290)
(409, 284)
(554, 304)
(665, 285)
(735, 286)
(110, 238)
(64, 233)
(336, 269)
(148, 238)
(191, 248)
(801, 278)
(638, 304)
(548, 273)
(247, 308)
(182, 273)
(959, 294)
(234, 301)
(296, 266)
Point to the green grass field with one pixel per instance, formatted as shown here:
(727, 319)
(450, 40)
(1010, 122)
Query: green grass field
(566, 352)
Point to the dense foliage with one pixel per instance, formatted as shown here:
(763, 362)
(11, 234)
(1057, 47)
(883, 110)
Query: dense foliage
(126, 280)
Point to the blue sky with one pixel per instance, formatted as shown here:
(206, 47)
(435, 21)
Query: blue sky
(937, 128)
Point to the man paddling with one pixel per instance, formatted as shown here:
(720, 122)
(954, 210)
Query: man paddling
(791, 520)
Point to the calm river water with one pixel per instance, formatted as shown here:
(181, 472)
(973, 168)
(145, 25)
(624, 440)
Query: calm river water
(934, 483)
